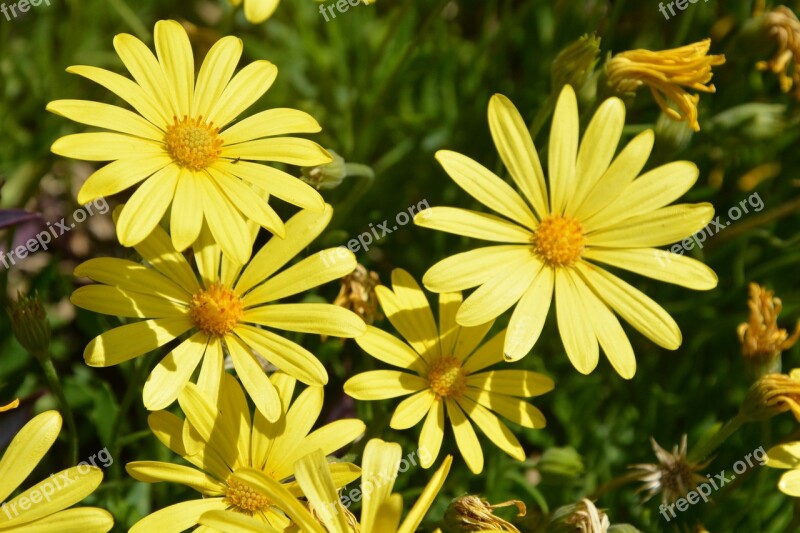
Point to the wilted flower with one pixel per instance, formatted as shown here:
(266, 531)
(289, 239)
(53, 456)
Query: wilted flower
(357, 293)
(762, 340)
(673, 476)
(473, 513)
(782, 25)
(771, 395)
(582, 516)
(666, 73)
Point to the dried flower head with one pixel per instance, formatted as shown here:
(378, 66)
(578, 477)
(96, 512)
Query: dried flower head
(761, 336)
(666, 73)
(582, 516)
(673, 476)
(473, 513)
(782, 25)
(357, 293)
(771, 395)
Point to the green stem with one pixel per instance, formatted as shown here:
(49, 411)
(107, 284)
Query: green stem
(545, 110)
(615, 483)
(354, 170)
(55, 386)
(708, 446)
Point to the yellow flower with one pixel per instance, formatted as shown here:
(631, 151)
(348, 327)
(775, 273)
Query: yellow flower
(787, 456)
(223, 446)
(380, 509)
(771, 395)
(596, 211)
(445, 375)
(178, 145)
(257, 11)
(783, 26)
(666, 73)
(43, 507)
(223, 310)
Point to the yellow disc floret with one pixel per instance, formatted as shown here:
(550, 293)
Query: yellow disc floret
(446, 377)
(244, 498)
(216, 310)
(192, 143)
(559, 241)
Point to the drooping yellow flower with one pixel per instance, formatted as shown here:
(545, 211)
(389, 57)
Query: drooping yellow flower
(43, 507)
(222, 441)
(444, 375)
(596, 211)
(179, 148)
(228, 308)
(783, 26)
(786, 456)
(666, 73)
(380, 509)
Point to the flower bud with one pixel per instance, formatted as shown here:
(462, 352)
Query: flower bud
(29, 324)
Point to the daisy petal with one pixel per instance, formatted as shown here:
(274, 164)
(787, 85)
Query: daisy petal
(636, 308)
(285, 354)
(215, 73)
(132, 276)
(177, 61)
(528, 318)
(472, 224)
(147, 206)
(126, 342)
(322, 319)
(157, 250)
(289, 150)
(378, 469)
(656, 228)
(253, 378)
(522, 383)
(106, 116)
(563, 149)
(383, 384)
(515, 409)
(412, 303)
(333, 436)
(186, 220)
(247, 86)
(225, 221)
(790, 483)
(105, 146)
(449, 302)
(469, 338)
(466, 439)
(515, 146)
(157, 471)
(493, 428)
(425, 500)
(144, 68)
(413, 409)
(279, 121)
(80, 520)
(178, 517)
(27, 448)
(574, 326)
(276, 182)
(119, 302)
(658, 264)
(233, 523)
(173, 372)
(475, 267)
(488, 354)
(432, 434)
(315, 479)
(389, 349)
(120, 175)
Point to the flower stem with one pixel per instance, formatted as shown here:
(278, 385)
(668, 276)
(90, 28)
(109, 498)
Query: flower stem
(55, 386)
(709, 445)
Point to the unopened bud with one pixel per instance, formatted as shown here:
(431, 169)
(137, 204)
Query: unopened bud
(29, 324)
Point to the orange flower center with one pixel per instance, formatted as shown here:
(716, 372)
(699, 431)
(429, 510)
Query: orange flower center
(192, 143)
(559, 241)
(446, 377)
(244, 498)
(216, 310)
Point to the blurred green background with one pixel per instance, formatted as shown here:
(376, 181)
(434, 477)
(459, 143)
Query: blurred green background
(391, 84)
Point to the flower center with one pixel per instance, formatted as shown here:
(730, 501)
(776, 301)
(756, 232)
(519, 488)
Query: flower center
(215, 310)
(446, 377)
(192, 143)
(244, 498)
(559, 240)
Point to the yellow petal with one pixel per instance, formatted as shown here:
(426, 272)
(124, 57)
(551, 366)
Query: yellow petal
(379, 472)
(486, 187)
(651, 191)
(322, 319)
(207, 257)
(597, 149)
(168, 429)
(515, 146)
(253, 378)
(285, 354)
(233, 522)
(120, 175)
(147, 206)
(158, 251)
(408, 309)
(332, 437)
(258, 12)
(470, 338)
(169, 377)
(156, 471)
(389, 349)
(488, 354)
(528, 318)
(178, 517)
(249, 204)
(177, 61)
(215, 73)
(106, 116)
(276, 182)
(132, 277)
(204, 418)
(383, 384)
(432, 434)
(289, 150)
(280, 121)
(475, 267)
(658, 264)
(563, 149)
(119, 302)
(515, 409)
(522, 383)
(225, 222)
(493, 428)
(498, 294)
(300, 418)
(466, 439)
(247, 86)
(9, 406)
(784, 455)
(186, 219)
(211, 370)
(790, 483)
(144, 68)
(413, 409)
(574, 326)
(126, 342)
(656, 228)
(449, 302)
(80, 520)
(26, 450)
(472, 224)
(235, 423)
(425, 500)
(315, 479)
(635, 307)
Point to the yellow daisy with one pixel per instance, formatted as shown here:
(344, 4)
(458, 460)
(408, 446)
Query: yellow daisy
(786, 456)
(380, 509)
(596, 211)
(43, 507)
(222, 446)
(445, 375)
(178, 145)
(257, 11)
(223, 310)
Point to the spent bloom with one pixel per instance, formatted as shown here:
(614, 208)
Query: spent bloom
(62, 490)
(473, 513)
(673, 475)
(443, 374)
(760, 336)
(357, 293)
(771, 395)
(550, 242)
(180, 148)
(667, 73)
(783, 27)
